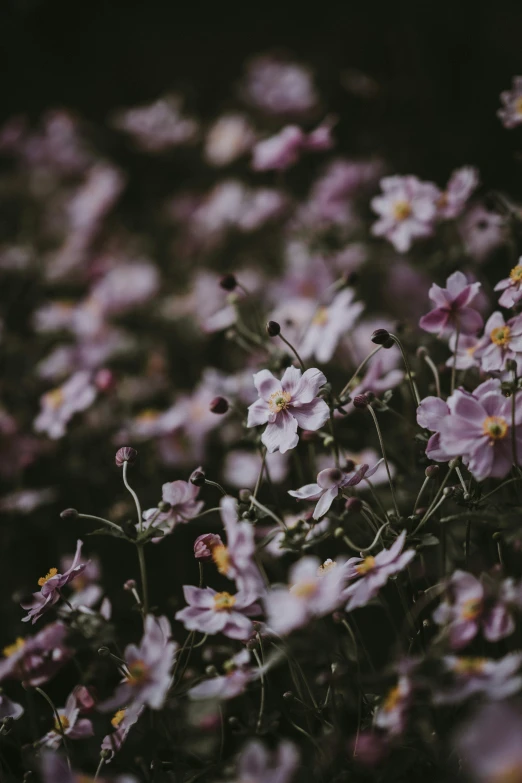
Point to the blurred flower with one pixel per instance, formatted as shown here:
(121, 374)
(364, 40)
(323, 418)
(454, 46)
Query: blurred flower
(287, 403)
(461, 185)
(407, 210)
(511, 287)
(279, 152)
(467, 677)
(511, 111)
(489, 744)
(278, 87)
(236, 560)
(25, 501)
(35, 659)
(329, 325)
(392, 712)
(466, 346)
(482, 231)
(329, 483)
(122, 721)
(227, 686)
(259, 764)
(228, 138)
(210, 612)
(452, 310)
(9, 709)
(181, 496)
(241, 468)
(70, 724)
(158, 126)
(60, 404)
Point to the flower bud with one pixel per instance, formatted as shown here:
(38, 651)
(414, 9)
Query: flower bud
(228, 282)
(126, 454)
(163, 506)
(353, 505)
(105, 754)
(69, 513)
(104, 652)
(338, 532)
(360, 401)
(197, 477)
(244, 495)
(129, 585)
(204, 544)
(288, 695)
(380, 336)
(432, 471)
(105, 380)
(273, 328)
(219, 405)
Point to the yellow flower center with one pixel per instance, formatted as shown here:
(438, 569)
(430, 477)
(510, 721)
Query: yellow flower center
(321, 317)
(495, 427)
(223, 602)
(11, 649)
(54, 398)
(367, 565)
(469, 666)
(516, 273)
(401, 210)
(279, 400)
(43, 579)
(221, 557)
(471, 350)
(117, 718)
(149, 414)
(392, 699)
(518, 106)
(510, 774)
(304, 589)
(64, 721)
(500, 335)
(138, 673)
(328, 565)
(471, 609)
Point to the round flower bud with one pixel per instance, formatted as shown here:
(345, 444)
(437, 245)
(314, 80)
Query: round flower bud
(198, 477)
(163, 506)
(244, 495)
(338, 532)
(288, 695)
(69, 513)
(219, 405)
(432, 471)
(104, 652)
(204, 544)
(126, 454)
(380, 336)
(349, 465)
(105, 754)
(105, 380)
(360, 401)
(353, 505)
(129, 585)
(273, 328)
(228, 282)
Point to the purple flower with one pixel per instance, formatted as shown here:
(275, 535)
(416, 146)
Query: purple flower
(281, 151)
(469, 676)
(392, 713)
(56, 770)
(501, 341)
(122, 721)
(467, 609)
(204, 544)
(149, 668)
(223, 687)
(35, 659)
(314, 590)
(511, 287)
(372, 572)
(236, 559)
(9, 709)
(181, 495)
(452, 311)
(158, 126)
(210, 612)
(70, 724)
(278, 87)
(490, 744)
(257, 764)
(431, 413)
(59, 405)
(329, 483)
(329, 325)
(511, 111)
(51, 586)
(479, 429)
(287, 404)
(466, 346)
(407, 210)
(461, 185)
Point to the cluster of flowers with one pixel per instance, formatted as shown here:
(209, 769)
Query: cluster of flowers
(361, 571)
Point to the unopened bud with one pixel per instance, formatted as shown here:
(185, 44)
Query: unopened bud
(244, 495)
(105, 754)
(349, 465)
(360, 401)
(219, 405)
(105, 380)
(197, 477)
(354, 505)
(511, 365)
(126, 454)
(211, 671)
(69, 513)
(129, 585)
(104, 652)
(338, 532)
(204, 544)
(288, 695)
(432, 471)
(163, 506)
(228, 282)
(273, 328)
(380, 336)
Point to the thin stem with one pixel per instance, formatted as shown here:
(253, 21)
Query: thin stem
(356, 548)
(454, 365)
(101, 519)
(421, 492)
(59, 723)
(215, 484)
(143, 574)
(513, 411)
(461, 479)
(428, 513)
(262, 704)
(358, 370)
(414, 392)
(431, 364)
(99, 768)
(504, 483)
(293, 351)
(260, 475)
(134, 495)
(208, 511)
(267, 511)
(468, 541)
(383, 450)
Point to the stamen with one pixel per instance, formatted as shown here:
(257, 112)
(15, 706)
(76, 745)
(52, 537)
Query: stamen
(43, 579)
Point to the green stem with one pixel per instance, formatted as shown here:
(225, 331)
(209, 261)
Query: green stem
(414, 392)
(134, 495)
(429, 361)
(58, 723)
(267, 511)
(360, 368)
(262, 703)
(101, 519)
(215, 484)
(99, 768)
(143, 574)
(454, 365)
(303, 368)
(383, 450)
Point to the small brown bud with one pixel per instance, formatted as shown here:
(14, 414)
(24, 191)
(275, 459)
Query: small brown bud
(126, 454)
(228, 282)
(273, 328)
(360, 401)
(432, 471)
(219, 405)
(69, 513)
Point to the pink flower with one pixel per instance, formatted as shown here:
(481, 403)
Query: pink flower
(236, 559)
(149, 667)
(287, 404)
(59, 405)
(278, 87)
(35, 659)
(511, 111)
(501, 341)
(314, 590)
(204, 544)
(479, 429)
(511, 287)
(329, 325)
(466, 347)
(181, 495)
(122, 721)
(10, 709)
(490, 746)
(258, 764)
(158, 126)
(469, 676)
(407, 210)
(51, 586)
(71, 724)
(329, 483)
(223, 687)
(392, 713)
(211, 612)
(452, 310)
(241, 467)
(461, 185)
(376, 378)
(468, 609)
(371, 573)
(230, 137)
(281, 151)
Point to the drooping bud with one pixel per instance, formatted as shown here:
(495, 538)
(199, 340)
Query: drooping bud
(129, 585)
(360, 401)
(354, 505)
(219, 405)
(244, 495)
(432, 471)
(204, 544)
(197, 477)
(105, 380)
(163, 506)
(380, 336)
(69, 513)
(126, 454)
(228, 282)
(273, 329)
